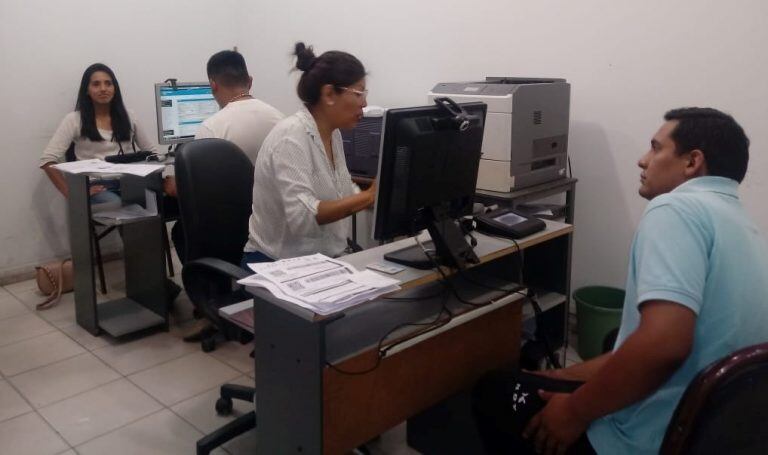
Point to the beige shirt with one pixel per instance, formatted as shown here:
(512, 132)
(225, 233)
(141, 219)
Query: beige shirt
(245, 123)
(292, 175)
(85, 149)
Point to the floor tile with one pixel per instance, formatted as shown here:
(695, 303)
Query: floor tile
(63, 313)
(85, 339)
(183, 378)
(162, 433)
(183, 309)
(11, 403)
(31, 297)
(88, 415)
(10, 306)
(22, 327)
(52, 383)
(21, 286)
(36, 352)
(29, 434)
(245, 443)
(140, 354)
(236, 355)
(200, 410)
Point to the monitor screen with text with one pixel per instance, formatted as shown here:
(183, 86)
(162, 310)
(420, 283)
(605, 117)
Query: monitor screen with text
(181, 109)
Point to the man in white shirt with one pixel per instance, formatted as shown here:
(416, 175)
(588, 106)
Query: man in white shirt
(243, 119)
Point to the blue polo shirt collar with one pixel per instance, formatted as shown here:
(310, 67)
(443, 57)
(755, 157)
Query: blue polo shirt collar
(713, 184)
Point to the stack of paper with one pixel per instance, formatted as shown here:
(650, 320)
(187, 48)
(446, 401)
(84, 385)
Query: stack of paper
(130, 212)
(97, 166)
(319, 283)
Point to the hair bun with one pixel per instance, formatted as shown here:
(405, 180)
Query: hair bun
(305, 58)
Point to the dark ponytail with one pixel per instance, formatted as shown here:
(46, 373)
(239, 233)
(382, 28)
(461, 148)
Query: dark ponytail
(336, 68)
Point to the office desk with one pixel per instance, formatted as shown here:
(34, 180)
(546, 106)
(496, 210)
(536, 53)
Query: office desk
(306, 406)
(145, 304)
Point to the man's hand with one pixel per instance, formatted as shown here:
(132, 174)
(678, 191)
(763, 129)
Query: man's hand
(557, 426)
(169, 186)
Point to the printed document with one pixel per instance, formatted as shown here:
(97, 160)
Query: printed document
(319, 283)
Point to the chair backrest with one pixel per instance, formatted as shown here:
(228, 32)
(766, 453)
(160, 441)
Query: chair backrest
(214, 182)
(69, 155)
(724, 409)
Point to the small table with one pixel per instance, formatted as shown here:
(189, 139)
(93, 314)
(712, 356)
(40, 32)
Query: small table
(145, 304)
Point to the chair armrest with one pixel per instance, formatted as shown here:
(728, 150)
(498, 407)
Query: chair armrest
(215, 266)
(210, 284)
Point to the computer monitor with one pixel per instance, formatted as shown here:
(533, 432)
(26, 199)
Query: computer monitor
(428, 168)
(181, 108)
(362, 145)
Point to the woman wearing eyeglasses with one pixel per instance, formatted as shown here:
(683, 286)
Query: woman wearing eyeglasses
(99, 126)
(303, 194)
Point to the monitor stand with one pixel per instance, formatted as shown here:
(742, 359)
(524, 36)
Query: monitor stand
(448, 245)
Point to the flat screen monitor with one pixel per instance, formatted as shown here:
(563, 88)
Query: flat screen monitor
(362, 145)
(181, 108)
(427, 175)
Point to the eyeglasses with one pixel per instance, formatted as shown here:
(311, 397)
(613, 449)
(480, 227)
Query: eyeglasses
(359, 93)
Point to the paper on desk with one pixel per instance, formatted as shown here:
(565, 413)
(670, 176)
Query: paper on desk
(78, 167)
(130, 211)
(319, 283)
(97, 166)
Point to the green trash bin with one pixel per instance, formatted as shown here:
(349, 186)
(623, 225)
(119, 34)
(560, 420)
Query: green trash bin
(598, 316)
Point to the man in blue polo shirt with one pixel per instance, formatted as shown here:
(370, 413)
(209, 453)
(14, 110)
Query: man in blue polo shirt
(696, 291)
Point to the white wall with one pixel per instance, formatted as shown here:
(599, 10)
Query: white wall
(627, 62)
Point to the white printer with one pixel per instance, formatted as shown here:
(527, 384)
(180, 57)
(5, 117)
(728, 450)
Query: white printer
(526, 129)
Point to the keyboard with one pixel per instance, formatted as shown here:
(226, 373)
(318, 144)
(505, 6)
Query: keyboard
(129, 157)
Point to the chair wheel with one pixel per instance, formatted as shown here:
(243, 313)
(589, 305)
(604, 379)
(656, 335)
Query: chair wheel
(208, 344)
(224, 406)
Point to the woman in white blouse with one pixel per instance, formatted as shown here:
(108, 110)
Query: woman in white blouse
(99, 126)
(302, 191)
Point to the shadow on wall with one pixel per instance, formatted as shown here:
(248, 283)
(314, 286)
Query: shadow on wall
(604, 219)
(50, 210)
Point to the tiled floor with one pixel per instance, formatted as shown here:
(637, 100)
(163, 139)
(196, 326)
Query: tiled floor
(64, 391)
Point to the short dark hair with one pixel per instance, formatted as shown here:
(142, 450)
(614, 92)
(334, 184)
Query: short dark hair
(121, 123)
(717, 135)
(228, 69)
(336, 68)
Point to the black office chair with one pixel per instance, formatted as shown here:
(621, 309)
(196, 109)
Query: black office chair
(724, 409)
(214, 181)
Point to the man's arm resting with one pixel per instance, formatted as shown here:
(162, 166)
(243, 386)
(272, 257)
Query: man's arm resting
(642, 363)
(583, 371)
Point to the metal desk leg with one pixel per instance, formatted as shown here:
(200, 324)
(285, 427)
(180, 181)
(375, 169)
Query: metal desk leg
(289, 355)
(79, 216)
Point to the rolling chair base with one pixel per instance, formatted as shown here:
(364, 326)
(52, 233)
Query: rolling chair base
(234, 428)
